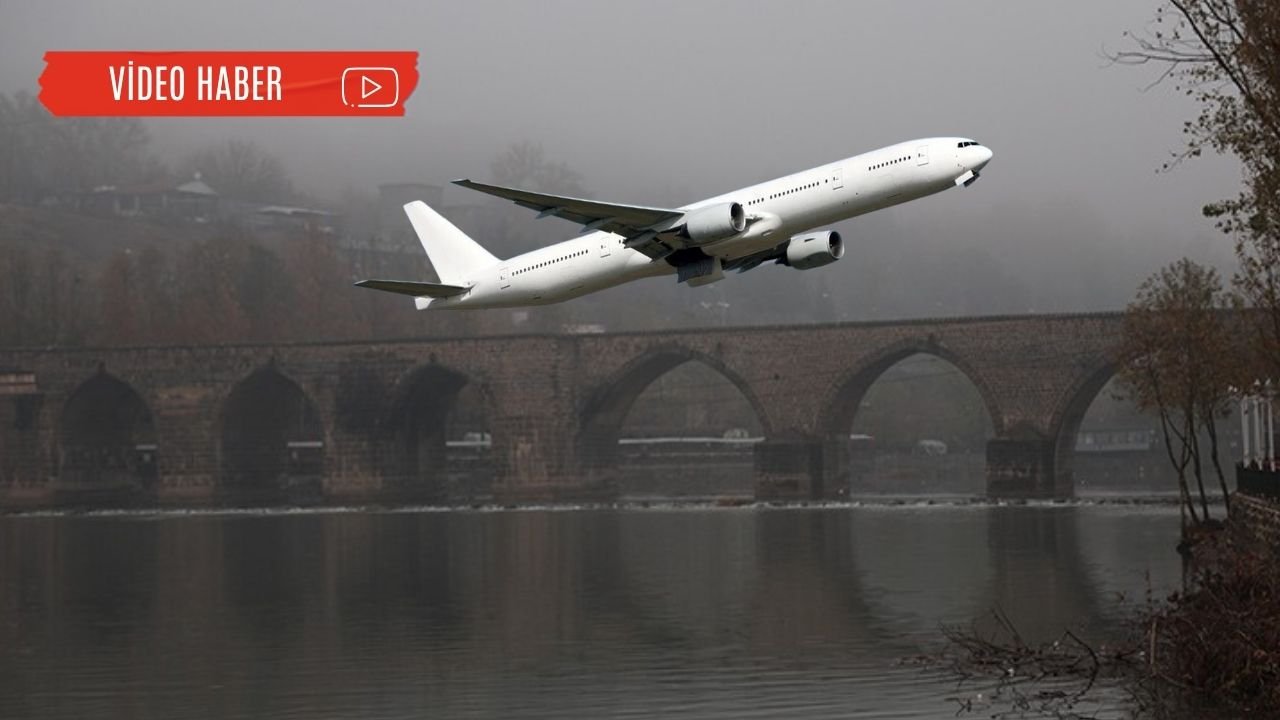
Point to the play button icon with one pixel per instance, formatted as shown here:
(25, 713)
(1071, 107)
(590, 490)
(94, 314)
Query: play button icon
(370, 87)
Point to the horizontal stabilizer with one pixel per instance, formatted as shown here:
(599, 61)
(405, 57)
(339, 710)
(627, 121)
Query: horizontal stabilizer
(413, 289)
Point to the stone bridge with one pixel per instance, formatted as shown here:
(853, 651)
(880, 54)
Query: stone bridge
(365, 421)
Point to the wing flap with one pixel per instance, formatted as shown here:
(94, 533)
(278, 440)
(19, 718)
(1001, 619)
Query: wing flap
(650, 244)
(413, 289)
(750, 262)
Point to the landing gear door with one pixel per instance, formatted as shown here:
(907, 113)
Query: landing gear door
(922, 155)
(837, 178)
(504, 278)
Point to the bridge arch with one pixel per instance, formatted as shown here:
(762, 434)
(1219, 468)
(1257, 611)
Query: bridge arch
(106, 437)
(1069, 414)
(437, 434)
(272, 439)
(925, 435)
(606, 409)
(848, 391)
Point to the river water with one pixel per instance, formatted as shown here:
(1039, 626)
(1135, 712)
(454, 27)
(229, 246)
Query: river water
(555, 613)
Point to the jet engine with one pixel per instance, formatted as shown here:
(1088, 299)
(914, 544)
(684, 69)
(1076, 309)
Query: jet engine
(805, 252)
(715, 222)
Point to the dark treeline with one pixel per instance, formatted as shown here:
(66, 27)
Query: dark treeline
(47, 158)
(231, 287)
(43, 156)
(75, 273)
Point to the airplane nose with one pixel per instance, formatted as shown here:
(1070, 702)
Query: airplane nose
(984, 156)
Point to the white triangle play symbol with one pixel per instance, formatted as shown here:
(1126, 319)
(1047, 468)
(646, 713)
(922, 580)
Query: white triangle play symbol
(368, 87)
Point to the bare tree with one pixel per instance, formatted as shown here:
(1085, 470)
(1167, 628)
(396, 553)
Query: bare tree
(1180, 358)
(1226, 55)
(207, 310)
(525, 165)
(16, 301)
(43, 154)
(242, 170)
(118, 321)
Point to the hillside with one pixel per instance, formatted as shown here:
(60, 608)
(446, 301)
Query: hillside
(89, 239)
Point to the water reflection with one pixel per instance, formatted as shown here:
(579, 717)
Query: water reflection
(709, 613)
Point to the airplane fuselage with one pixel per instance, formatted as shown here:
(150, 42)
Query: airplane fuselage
(777, 209)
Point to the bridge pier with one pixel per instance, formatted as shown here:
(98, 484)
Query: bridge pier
(1024, 469)
(791, 469)
(536, 460)
(186, 460)
(353, 466)
(21, 481)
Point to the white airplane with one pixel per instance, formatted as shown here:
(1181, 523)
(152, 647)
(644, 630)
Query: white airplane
(698, 243)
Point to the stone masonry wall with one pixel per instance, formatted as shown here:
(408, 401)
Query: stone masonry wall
(553, 401)
(1256, 520)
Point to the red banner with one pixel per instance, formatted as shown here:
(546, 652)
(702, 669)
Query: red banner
(185, 83)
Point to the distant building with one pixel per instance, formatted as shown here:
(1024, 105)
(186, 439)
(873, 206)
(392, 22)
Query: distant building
(1111, 440)
(283, 217)
(190, 200)
(17, 382)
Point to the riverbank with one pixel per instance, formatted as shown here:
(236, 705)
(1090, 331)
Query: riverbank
(691, 504)
(1210, 649)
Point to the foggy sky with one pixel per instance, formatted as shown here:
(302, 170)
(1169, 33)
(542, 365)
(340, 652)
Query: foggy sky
(666, 102)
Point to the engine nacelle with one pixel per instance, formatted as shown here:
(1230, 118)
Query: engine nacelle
(715, 222)
(805, 252)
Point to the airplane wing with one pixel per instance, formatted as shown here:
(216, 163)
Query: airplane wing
(641, 226)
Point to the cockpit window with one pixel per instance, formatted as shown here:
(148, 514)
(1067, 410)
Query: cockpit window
(967, 143)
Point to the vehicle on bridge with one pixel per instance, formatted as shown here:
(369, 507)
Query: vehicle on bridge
(929, 446)
(773, 222)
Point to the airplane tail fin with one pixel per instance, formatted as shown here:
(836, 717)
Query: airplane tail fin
(453, 254)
